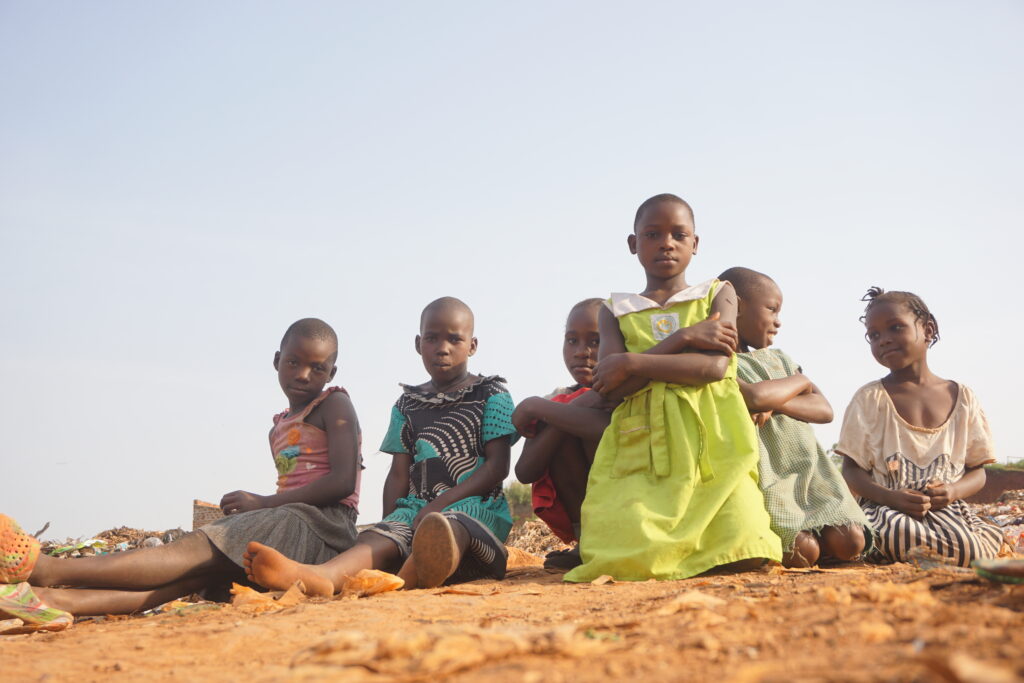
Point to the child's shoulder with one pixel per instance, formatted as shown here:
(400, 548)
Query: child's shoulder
(871, 393)
(624, 303)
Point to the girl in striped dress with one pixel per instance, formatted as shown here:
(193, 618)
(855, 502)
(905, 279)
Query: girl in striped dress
(913, 444)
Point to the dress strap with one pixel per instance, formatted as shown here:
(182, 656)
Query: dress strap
(309, 406)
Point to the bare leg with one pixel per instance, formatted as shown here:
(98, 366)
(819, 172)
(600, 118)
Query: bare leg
(146, 568)
(843, 543)
(568, 471)
(89, 602)
(805, 552)
(271, 569)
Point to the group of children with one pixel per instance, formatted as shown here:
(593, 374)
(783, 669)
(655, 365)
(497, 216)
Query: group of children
(683, 446)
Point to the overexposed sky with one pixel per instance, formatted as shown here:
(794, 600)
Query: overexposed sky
(180, 181)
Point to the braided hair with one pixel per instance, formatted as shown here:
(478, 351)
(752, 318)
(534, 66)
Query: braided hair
(877, 295)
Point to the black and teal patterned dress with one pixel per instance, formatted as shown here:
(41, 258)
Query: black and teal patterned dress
(445, 433)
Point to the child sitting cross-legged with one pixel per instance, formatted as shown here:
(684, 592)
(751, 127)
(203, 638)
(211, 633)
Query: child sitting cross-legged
(810, 506)
(562, 435)
(446, 518)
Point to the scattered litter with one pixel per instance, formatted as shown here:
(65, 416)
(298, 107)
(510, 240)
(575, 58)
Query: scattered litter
(517, 557)
(603, 579)
(254, 602)
(534, 537)
(367, 582)
(118, 539)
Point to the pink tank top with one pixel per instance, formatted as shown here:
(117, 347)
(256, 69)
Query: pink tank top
(300, 450)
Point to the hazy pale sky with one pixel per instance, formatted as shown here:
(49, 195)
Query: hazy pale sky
(180, 181)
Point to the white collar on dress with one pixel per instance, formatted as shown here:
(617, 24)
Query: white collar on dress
(622, 303)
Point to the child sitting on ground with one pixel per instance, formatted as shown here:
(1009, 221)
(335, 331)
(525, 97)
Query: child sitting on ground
(445, 515)
(673, 488)
(562, 435)
(810, 505)
(315, 445)
(913, 444)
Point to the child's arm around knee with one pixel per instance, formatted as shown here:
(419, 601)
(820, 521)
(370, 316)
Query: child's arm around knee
(581, 419)
(493, 470)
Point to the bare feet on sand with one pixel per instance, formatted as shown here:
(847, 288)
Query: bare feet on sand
(272, 570)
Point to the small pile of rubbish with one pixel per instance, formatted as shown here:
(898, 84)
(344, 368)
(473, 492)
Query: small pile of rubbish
(1007, 512)
(113, 540)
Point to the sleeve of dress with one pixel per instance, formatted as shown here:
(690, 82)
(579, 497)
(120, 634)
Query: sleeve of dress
(498, 418)
(980, 449)
(855, 437)
(393, 439)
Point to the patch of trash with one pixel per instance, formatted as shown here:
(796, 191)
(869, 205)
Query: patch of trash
(1007, 512)
(116, 540)
(534, 537)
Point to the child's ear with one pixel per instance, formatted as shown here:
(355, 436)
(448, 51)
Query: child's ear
(334, 371)
(739, 305)
(929, 332)
(631, 241)
(418, 345)
(696, 241)
(277, 359)
(472, 346)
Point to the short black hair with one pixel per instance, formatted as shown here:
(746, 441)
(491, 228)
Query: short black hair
(917, 306)
(448, 302)
(658, 199)
(311, 328)
(745, 281)
(586, 303)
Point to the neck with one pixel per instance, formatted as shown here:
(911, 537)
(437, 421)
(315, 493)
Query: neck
(915, 373)
(442, 387)
(660, 289)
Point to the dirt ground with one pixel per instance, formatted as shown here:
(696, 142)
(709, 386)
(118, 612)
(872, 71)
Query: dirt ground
(850, 623)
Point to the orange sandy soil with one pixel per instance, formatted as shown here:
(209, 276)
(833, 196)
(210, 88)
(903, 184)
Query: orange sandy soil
(851, 623)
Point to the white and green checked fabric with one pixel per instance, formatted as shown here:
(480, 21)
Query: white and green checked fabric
(802, 488)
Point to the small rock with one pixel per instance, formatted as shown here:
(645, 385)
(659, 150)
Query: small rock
(151, 542)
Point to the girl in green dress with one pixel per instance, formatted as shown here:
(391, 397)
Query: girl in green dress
(673, 488)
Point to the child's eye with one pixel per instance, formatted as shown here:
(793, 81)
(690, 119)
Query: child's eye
(292, 364)
(571, 340)
(594, 342)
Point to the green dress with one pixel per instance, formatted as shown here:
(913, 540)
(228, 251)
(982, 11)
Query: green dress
(803, 490)
(673, 488)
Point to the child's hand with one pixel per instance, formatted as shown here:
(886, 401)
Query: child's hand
(524, 419)
(761, 418)
(241, 501)
(433, 506)
(913, 503)
(712, 335)
(940, 494)
(611, 371)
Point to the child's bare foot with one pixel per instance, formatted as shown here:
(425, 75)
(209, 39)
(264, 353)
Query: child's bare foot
(435, 552)
(272, 570)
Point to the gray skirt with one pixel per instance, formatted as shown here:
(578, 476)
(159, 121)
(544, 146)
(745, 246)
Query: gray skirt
(301, 532)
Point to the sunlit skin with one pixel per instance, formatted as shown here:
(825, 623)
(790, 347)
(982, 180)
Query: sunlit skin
(899, 341)
(445, 343)
(758, 322)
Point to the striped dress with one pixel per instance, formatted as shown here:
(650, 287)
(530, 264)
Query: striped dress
(900, 455)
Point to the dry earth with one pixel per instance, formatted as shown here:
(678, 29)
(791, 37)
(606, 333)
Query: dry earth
(851, 623)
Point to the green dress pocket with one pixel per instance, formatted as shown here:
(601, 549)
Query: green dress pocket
(634, 447)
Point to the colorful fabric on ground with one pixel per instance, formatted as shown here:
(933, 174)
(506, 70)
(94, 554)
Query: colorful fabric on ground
(446, 433)
(546, 505)
(900, 455)
(673, 489)
(18, 552)
(803, 489)
(300, 450)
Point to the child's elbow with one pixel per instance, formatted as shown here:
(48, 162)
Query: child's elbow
(716, 368)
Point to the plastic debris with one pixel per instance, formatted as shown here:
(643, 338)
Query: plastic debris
(367, 582)
(254, 602)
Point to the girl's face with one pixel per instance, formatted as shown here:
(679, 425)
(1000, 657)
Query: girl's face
(898, 339)
(446, 342)
(304, 366)
(664, 239)
(579, 350)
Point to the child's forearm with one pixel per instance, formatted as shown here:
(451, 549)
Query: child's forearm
(537, 454)
(681, 368)
(773, 394)
(809, 407)
(583, 423)
(969, 484)
(396, 486)
(860, 483)
(328, 489)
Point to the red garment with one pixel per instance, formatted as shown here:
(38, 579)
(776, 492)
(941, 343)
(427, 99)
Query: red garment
(546, 505)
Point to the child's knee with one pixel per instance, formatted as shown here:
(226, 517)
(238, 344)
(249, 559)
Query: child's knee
(844, 542)
(805, 551)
